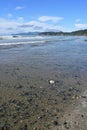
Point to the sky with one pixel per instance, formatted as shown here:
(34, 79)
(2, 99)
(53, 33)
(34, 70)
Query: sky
(42, 15)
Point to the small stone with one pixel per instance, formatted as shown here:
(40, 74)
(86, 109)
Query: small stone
(41, 86)
(64, 98)
(82, 115)
(24, 127)
(70, 89)
(14, 116)
(19, 87)
(1, 109)
(4, 127)
(84, 96)
(46, 124)
(34, 128)
(66, 125)
(51, 81)
(18, 108)
(30, 100)
(1, 115)
(26, 93)
(41, 116)
(75, 97)
(55, 122)
(21, 121)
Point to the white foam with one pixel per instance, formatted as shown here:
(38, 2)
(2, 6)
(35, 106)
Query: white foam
(20, 43)
(10, 40)
(27, 37)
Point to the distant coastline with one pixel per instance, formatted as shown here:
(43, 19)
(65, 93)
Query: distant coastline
(60, 33)
(53, 33)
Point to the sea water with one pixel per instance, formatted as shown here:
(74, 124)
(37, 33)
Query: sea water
(15, 40)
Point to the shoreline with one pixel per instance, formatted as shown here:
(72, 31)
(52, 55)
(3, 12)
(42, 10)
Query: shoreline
(28, 100)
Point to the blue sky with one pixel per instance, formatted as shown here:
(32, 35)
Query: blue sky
(42, 15)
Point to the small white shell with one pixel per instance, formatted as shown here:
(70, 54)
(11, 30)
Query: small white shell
(51, 81)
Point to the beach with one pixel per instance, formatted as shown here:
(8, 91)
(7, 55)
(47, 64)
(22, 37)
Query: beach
(42, 84)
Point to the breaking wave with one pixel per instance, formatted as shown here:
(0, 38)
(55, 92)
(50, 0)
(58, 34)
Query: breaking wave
(18, 40)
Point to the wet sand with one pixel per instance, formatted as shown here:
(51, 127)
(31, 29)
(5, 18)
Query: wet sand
(28, 101)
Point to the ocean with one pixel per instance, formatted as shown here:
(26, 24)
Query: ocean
(16, 40)
(48, 54)
(60, 49)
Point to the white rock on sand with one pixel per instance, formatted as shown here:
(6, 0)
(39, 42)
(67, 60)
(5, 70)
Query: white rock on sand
(51, 81)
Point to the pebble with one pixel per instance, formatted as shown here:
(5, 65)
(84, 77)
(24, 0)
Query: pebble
(41, 116)
(29, 100)
(1, 109)
(19, 87)
(82, 115)
(46, 124)
(70, 89)
(24, 127)
(34, 128)
(1, 115)
(84, 96)
(41, 86)
(58, 92)
(75, 97)
(51, 82)
(14, 115)
(4, 126)
(66, 125)
(55, 122)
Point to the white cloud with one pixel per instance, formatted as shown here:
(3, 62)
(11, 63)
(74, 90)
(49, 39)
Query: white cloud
(55, 28)
(78, 20)
(34, 26)
(19, 8)
(41, 26)
(38, 23)
(7, 26)
(49, 18)
(20, 25)
(7, 23)
(9, 15)
(20, 19)
(81, 25)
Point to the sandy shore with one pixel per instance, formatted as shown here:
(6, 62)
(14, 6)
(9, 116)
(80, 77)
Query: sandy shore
(75, 118)
(29, 101)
